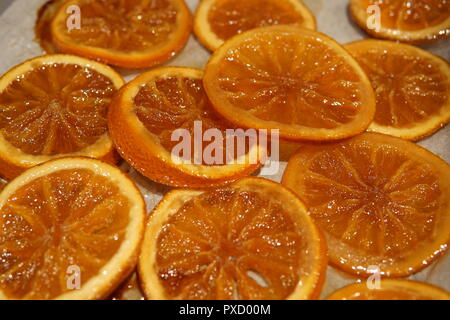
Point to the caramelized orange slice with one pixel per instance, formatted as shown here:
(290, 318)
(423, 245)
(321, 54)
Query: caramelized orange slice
(131, 34)
(391, 290)
(412, 87)
(69, 229)
(148, 110)
(381, 201)
(295, 80)
(218, 20)
(54, 106)
(404, 20)
(250, 240)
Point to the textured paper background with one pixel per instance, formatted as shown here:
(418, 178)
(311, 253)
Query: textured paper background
(17, 44)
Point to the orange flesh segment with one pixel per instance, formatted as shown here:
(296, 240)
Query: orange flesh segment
(55, 109)
(176, 102)
(229, 244)
(409, 88)
(378, 204)
(410, 16)
(230, 17)
(70, 217)
(124, 26)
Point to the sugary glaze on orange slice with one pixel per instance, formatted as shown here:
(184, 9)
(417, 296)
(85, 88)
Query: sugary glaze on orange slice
(63, 217)
(218, 20)
(405, 20)
(391, 290)
(251, 240)
(132, 33)
(383, 202)
(412, 87)
(298, 81)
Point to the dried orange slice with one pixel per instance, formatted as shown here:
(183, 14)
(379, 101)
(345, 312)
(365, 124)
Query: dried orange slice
(412, 87)
(53, 106)
(391, 290)
(218, 20)
(131, 34)
(148, 110)
(404, 20)
(250, 240)
(295, 80)
(69, 229)
(381, 201)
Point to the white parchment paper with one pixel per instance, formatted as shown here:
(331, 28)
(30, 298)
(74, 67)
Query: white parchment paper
(17, 44)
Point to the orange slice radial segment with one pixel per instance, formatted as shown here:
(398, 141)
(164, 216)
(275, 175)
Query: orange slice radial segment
(145, 115)
(69, 229)
(252, 239)
(382, 202)
(218, 20)
(131, 34)
(391, 290)
(295, 80)
(412, 87)
(53, 106)
(408, 21)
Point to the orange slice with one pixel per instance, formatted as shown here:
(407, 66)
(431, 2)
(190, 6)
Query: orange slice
(412, 87)
(53, 106)
(218, 20)
(391, 290)
(131, 34)
(404, 20)
(382, 202)
(251, 240)
(69, 229)
(42, 28)
(295, 80)
(150, 108)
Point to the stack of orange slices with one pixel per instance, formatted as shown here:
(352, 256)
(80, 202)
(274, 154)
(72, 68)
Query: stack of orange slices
(72, 224)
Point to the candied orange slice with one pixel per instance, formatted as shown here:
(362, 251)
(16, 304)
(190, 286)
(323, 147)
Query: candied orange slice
(69, 229)
(295, 80)
(252, 240)
(148, 110)
(381, 201)
(53, 106)
(412, 87)
(403, 20)
(391, 290)
(131, 34)
(218, 20)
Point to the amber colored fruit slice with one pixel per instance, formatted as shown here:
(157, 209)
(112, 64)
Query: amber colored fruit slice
(403, 20)
(295, 80)
(391, 290)
(412, 87)
(148, 110)
(128, 290)
(218, 20)
(252, 240)
(53, 106)
(42, 28)
(131, 34)
(66, 224)
(381, 201)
